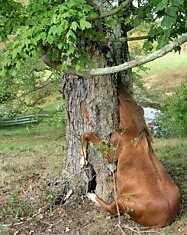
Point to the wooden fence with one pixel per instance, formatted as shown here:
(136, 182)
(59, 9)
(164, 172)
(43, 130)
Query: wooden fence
(23, 120)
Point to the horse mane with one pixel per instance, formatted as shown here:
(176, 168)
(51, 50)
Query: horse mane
(146, 134)
(145, 137)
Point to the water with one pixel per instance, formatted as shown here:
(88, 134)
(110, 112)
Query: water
(150, 113)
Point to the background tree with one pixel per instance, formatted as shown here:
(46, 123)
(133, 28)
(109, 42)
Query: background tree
(86, 41)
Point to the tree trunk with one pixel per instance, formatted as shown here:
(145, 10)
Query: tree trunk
(99, 95)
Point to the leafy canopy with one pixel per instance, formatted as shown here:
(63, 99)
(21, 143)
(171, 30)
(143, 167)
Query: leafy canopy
(63, 29)
(44, 24)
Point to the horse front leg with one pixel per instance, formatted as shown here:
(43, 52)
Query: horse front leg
(83, 152)
(97, 142)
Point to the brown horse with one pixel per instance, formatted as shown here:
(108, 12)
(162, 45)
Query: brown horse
(145, 190)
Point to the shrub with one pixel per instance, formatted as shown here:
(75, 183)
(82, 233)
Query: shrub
(57, 118)
(174, 117)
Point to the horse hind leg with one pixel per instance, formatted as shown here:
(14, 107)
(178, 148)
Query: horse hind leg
(112, 208)
(118, 205)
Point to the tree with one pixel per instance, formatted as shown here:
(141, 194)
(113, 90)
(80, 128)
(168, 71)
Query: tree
(87, 42)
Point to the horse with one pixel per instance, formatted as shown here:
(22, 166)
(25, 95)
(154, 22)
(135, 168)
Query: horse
(145, 191)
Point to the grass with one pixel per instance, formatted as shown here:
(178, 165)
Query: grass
(170, 62)
(51, 107)
(31, 161)
(173, 155)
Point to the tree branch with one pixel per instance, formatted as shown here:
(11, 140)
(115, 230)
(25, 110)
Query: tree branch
(115, 10)
(37, 88)
(126, 39)
(47, 60)
(139, 61)
(57, 64)
(122, 67)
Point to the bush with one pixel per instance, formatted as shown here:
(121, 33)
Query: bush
(174, 117)
(57, 118)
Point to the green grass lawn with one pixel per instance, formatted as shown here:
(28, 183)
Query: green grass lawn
(170, 62)
(51, 107)
(27, 151)
(31, 161)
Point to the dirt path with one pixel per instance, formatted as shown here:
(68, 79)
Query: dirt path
(165, 81)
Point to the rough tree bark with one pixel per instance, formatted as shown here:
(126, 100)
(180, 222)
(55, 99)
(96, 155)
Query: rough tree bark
(99, 95)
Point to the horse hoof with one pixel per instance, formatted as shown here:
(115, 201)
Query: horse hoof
(83, 162)
(81, 152)
(92, 197)
(112, 167)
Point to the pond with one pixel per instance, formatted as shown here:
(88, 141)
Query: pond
(150, 113)
(150, 118)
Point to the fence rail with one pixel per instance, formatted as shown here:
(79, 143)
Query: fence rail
(23, 120)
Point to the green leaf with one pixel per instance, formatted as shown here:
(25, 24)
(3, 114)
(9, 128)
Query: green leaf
(147, 46)
(153, 32)
(43, 36)
(66, 15)
(178, 2)
(168, 21)
(71, 49)
(18, 65)
(85, 24)
(64, 25)
(162, 42)
(110, 22)
(162, 5)
(15, 52)
(64, 67)
(54, 19)
(61, 44)
(79, 67)
(172, 11)
(74, 25)
(53, 30)
(71, 34)
(50, 39)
